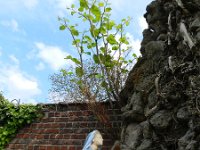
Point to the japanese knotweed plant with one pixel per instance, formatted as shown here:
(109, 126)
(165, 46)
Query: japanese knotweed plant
(103, 43)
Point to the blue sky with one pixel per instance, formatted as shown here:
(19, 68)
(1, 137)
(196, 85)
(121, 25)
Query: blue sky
(32, 47)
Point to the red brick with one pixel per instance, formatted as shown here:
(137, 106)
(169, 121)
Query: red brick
(42, 148)
(71, 148)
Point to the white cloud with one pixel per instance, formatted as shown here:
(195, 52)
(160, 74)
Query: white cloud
(17, 5)
(13, 24)
(40, 66)
(51, 55)
(16, 84)
(14, 59)
(61, 5)
(142, 23)
(134, 43)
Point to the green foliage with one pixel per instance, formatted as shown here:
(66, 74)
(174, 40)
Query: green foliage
(104, 43)
(13, 117)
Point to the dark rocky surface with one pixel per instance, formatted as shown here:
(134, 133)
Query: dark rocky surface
(162, 92)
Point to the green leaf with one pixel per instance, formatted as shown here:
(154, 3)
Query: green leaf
(75, 42)
(110, 25)
(75, 32)
(62, 27)
(124, 40)
(103, 49)
(79, 71)
(134, 55)
(101, 4)
(111, 39)
(96, 59)
(84, 3)
(115, 48)
(75, 60)
(68, 57)
(108, 9)
(81, 9)
(87, 53)
(96, 11)
(64, 72)
(104, 84)
(98, 76)
(73, 12)
(72, 6)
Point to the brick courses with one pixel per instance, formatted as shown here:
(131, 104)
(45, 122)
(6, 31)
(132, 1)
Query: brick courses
(65, 127)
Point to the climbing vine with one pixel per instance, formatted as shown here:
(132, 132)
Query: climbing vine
(13, 117)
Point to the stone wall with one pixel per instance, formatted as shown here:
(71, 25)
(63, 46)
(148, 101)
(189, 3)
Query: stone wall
(65, 127)
(162, 92)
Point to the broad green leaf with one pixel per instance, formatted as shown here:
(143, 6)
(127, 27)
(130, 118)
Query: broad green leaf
(98, 76)
(110, 25)
(81, 9)
(96, 11)
(101, 4)
(111, 39)
(75, 42)
(134, 55)
(124, 40)
(108, 9)
(68, 57)
(84, 3)
(75, 32)
(87, 53)
(96, 59)
(62, 27)
(79, 71)
(115, 48)
(76, 61)
(64, 72)
(72, 6)
(103, 49)
(73, 12)
(104, 84)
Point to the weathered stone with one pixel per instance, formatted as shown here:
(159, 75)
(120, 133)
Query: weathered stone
(154, 47)
(195, 24)
(135, 109)
(133, 136)
(161, 120)
(167, 79)
(183, 114)
(145, 145)
(186, 140)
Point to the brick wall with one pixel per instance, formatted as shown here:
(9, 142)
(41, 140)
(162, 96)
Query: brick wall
(65, 127)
